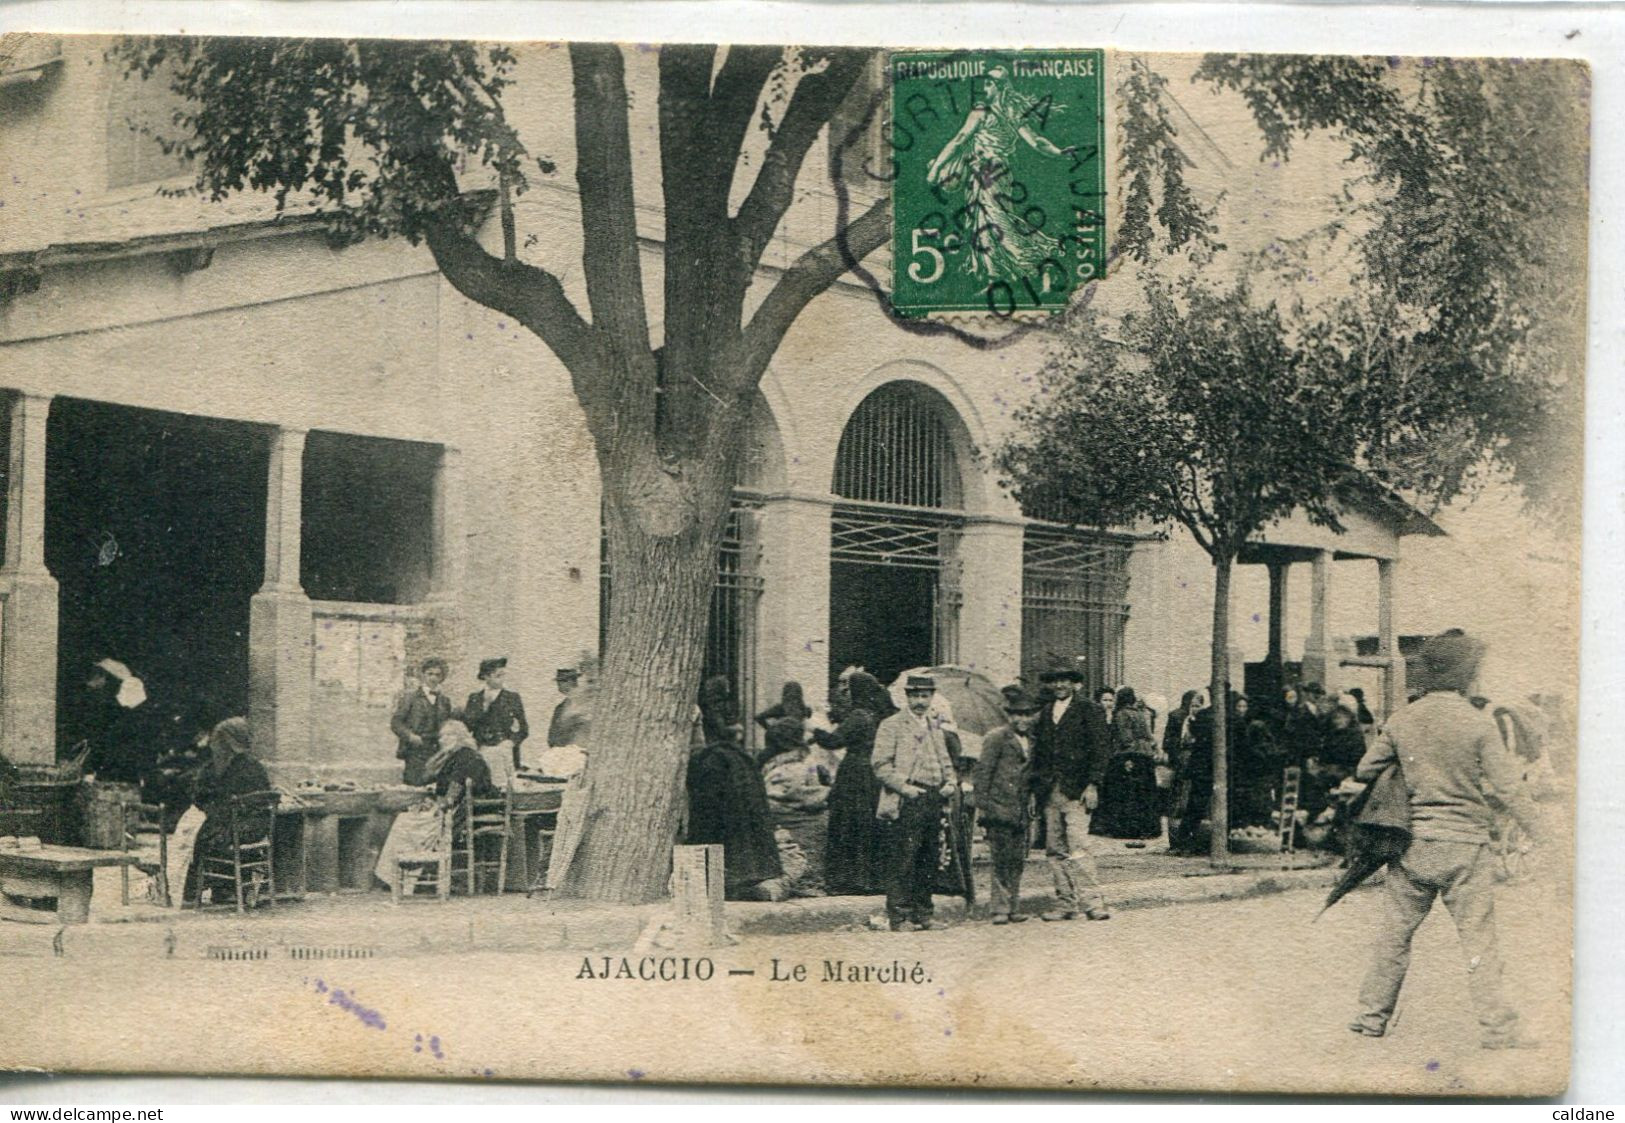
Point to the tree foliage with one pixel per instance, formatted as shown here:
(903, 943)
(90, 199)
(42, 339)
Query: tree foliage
(1206, 412)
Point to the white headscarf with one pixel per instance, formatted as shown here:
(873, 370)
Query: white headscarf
(131, 691)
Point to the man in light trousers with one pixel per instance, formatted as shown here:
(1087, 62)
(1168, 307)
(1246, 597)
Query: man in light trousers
(1457, 771)
(1069, 761)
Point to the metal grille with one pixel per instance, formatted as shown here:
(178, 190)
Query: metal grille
(1074, 602)
(911, 539)
(730, 641)
(896, 449)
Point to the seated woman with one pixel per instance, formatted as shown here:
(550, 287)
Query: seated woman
(420, 828)
(230, 771)
(798, 795)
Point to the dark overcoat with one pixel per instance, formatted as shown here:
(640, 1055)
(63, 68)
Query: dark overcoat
(1003, 779)
(1072, 755)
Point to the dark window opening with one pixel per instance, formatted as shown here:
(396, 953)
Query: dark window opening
(155, 532)
(368, 519)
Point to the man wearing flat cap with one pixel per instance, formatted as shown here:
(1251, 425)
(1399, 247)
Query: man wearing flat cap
(1002, 785)
(1072, 746)
(916, 775)
(496, 717)
(1457, 772)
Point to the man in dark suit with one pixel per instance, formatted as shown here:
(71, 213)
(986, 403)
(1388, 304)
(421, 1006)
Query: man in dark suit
(417, 720)
(494, 715)
(1069, 762)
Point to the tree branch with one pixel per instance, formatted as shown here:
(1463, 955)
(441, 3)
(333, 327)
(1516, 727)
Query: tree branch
(609, 220)
(531, 295)
(734, 97)
(812, 273)
(814, 102)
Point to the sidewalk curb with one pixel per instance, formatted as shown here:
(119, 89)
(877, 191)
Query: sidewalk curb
(826, 914)
(515, 925)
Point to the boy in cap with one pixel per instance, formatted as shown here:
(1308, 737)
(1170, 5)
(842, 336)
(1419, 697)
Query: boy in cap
(1003, 788)
(916, 774)
(1457, 771)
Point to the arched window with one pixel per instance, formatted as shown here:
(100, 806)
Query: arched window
(897, 449)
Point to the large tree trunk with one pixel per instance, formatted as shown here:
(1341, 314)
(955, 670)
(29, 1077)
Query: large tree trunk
(1219, 692)
(662, 544)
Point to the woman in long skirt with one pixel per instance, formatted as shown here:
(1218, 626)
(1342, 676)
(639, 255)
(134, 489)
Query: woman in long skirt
(854, 860)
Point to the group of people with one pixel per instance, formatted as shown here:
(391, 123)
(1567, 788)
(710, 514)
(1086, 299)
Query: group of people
(493, 716)
(1323, 735)
(872, 800)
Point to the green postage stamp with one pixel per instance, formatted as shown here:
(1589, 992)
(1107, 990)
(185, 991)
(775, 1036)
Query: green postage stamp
(998, 205)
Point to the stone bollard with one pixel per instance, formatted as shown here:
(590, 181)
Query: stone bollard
(696, 892)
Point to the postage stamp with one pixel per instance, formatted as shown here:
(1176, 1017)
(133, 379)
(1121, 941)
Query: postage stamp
(998, 203)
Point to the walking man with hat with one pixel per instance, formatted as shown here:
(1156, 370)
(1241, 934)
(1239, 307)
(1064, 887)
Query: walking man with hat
(1457, 772)
(1003, 788)
(916, 775)
(1072, 746)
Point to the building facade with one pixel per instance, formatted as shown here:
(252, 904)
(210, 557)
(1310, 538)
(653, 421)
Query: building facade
(276, 472)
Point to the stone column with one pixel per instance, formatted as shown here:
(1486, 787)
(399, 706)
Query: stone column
(1280, 574)
(1320, 661)
(793, 641)
(279, 620)
(28, 595)
(990, 617)
(450, 558)
(1393, 676)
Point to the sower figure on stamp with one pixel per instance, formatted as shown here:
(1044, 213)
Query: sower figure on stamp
(1003, 789)
(1456, 771)
(1073, 744)
(417, 720)
(916, 775)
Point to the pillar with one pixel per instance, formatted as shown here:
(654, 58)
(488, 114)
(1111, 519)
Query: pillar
(1320, 660)
(449, 564)
(1393, 675)
(279, 619)
(990, 553)
(28, 595)
(793, 614)
(1280, 572)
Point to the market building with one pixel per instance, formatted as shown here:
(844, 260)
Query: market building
(257, 465)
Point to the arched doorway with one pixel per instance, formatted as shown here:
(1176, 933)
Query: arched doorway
(894, 566)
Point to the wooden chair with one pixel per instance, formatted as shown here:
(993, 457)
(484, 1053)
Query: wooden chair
(484, 818)
(251, 820)
(139, 818)
(438, 861)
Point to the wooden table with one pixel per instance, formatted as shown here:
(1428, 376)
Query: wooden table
(62, 872)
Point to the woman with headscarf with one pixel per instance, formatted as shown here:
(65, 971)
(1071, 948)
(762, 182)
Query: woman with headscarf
(727, 802)
(124, 734)
(855, 862)
(1193, 786)
(230, 771)
(784, 723)
(1128, 794)
(1254, 766)
(456, 763)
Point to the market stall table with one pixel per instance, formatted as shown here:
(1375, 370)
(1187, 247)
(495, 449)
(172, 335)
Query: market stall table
(64, 873)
